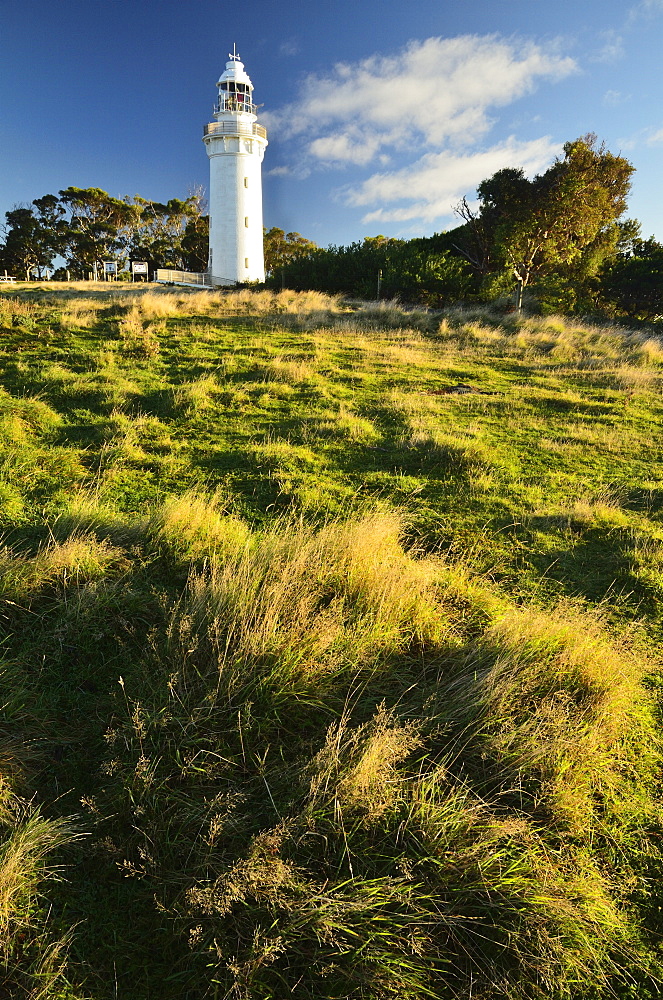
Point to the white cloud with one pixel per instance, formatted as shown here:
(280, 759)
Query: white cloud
(418, 116)
(350, 146)
(428, 189)
(613, 98)
(646, 8)
(612, 47)
(290, 47)
(279, 172)
(439, 90)
(627, 142)
(649, 136)
(299, 172)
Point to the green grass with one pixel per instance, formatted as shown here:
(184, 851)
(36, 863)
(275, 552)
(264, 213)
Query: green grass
(318, 680)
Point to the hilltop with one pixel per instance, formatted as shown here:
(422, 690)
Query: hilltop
(331, 643)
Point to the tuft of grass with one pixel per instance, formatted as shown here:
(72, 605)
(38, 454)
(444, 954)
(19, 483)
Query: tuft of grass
(57, 564)
(270, 600)
(563, 704)
(29, 412)
(195, 527)
(139, 338)
(33, 959)
(86, 516)
(349, 425)
(197, 395)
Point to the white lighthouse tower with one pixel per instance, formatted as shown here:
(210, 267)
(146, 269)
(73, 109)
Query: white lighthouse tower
(235, 145)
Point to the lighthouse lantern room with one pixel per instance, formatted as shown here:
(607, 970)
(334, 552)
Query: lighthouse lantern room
(235, 145)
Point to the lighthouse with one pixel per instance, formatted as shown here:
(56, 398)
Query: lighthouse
(235, 144)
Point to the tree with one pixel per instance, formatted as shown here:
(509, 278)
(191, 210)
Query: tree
(281, 248)
(96, 226)
(87, 226)
(50, 215)
(633, 281)
(410, 270)
(30, 239)
(562, 222)
(169, 234)
(195, 244)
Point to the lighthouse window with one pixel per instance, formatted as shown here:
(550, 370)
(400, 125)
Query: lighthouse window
(234, 96)
(246, 182)
(246, 262)
(246, 221)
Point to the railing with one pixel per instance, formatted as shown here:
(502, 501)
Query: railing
(235, 128)
(183, 277)
(234, 104)
(170, 277)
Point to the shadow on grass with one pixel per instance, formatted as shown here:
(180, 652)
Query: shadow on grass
(639, 498)
(594, 563)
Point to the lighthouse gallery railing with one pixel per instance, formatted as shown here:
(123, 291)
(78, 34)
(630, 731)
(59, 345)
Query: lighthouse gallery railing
(235, 128)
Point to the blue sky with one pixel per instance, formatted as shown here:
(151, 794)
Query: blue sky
(381, 114)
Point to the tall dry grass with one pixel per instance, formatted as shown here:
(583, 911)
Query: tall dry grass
(562, 703)
(195, 527)
(32, 957)
(465, 821)
(268, 602)
(70, 562)
(416, 787)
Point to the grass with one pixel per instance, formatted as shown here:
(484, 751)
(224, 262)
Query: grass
(350, 683)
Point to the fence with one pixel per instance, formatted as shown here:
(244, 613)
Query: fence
(191, 278)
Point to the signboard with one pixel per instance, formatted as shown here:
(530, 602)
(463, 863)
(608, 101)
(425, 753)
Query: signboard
(139, 266)
(110, 267)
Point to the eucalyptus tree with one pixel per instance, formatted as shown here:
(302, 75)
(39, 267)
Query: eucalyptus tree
(281, 248)
(563, 222)
(32, 237)
(169, 234)
(96, 227)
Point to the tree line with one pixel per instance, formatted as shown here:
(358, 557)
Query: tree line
(87, 226)
(559, 238)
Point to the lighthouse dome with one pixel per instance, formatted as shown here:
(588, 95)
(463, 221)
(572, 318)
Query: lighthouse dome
(235, 89)
(235, 73)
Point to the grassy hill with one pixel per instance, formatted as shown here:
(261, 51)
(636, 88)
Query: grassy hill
(330, 661)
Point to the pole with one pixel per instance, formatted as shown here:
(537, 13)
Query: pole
(379, 282)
